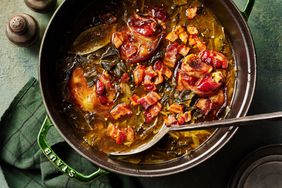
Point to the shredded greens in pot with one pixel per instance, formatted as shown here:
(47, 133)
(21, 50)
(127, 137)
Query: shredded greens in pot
(145, 65)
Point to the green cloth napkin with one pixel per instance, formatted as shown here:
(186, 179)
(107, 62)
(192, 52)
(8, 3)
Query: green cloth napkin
(22, 162)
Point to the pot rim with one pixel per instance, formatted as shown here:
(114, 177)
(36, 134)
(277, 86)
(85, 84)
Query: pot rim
(229, 132)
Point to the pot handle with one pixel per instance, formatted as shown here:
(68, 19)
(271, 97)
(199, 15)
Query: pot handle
(248, 9)
(59, 163)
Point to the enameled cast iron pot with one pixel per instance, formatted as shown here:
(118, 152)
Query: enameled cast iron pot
(238, 32)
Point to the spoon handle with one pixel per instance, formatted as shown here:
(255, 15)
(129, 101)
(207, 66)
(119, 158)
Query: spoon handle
(241, 121)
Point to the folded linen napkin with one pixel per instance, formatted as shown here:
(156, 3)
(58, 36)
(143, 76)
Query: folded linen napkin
(22, 162)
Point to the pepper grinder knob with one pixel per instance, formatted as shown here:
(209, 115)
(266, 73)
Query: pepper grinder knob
(41, 6)
(22, 30)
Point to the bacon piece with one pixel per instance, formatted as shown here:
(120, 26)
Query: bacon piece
(191, 13)
(167, 72)
(105, 78)
(134, 100)
(212, 103)
(172, 36)
(171, 55)
(213, 58)
(192, 40)
(175, 34)
(184, 118)
(117, 39)
(124, 78)
(183, 37)
(150, 72)
(150, 99)
(204, 105)
(138, 74)
(183, 50)
(120, 110)
(159, 66)
(152, 112)
(192, 30)
(149, 75)
(129, 50)
(170, 120)
(100, 88)
(209, 84)
(196, 42)
(120, 135)
(145, 26)
(176, 108)
(130, 134)
(103, 100)
(193, 66)
(159, 79)
(184, 81)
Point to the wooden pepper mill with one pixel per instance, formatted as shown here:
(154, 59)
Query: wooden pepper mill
(41, 6)
(22, 30)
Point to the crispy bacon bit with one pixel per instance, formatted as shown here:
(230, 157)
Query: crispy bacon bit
(183, 50)
(159, 66)
(124, 78)
(150, 99)
(103, 100)
(167, 72)
(105, 78)
(130, 134)
(150, 72)
(170, 120)
(185, 82)
(172, 36)
(209, 84)
(191, 13)
(196, 42)
(200, 45)
(120, 135)
(138, 74)
(171, 55)
(213, 58)
(176, 108)
(100, 88)
(150, 86)
(152, 112)
(204, 105)
(218, 99)
(143, 25)
(120, 110)
(134, 100)
(184, 118)
(176, 33)
(117, 39)
(159, 79)
(212, 103)
(183, 37)
(192, 30)
(129, 49)
(193, 66)
(192, 40)
(148, 82)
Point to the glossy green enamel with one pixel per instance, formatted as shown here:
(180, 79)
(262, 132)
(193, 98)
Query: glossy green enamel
(55, 159)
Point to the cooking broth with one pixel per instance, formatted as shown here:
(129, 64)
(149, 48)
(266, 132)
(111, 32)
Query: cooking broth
(148, 64)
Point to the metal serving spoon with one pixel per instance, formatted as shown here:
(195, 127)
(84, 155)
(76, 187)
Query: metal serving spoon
(237, 122)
